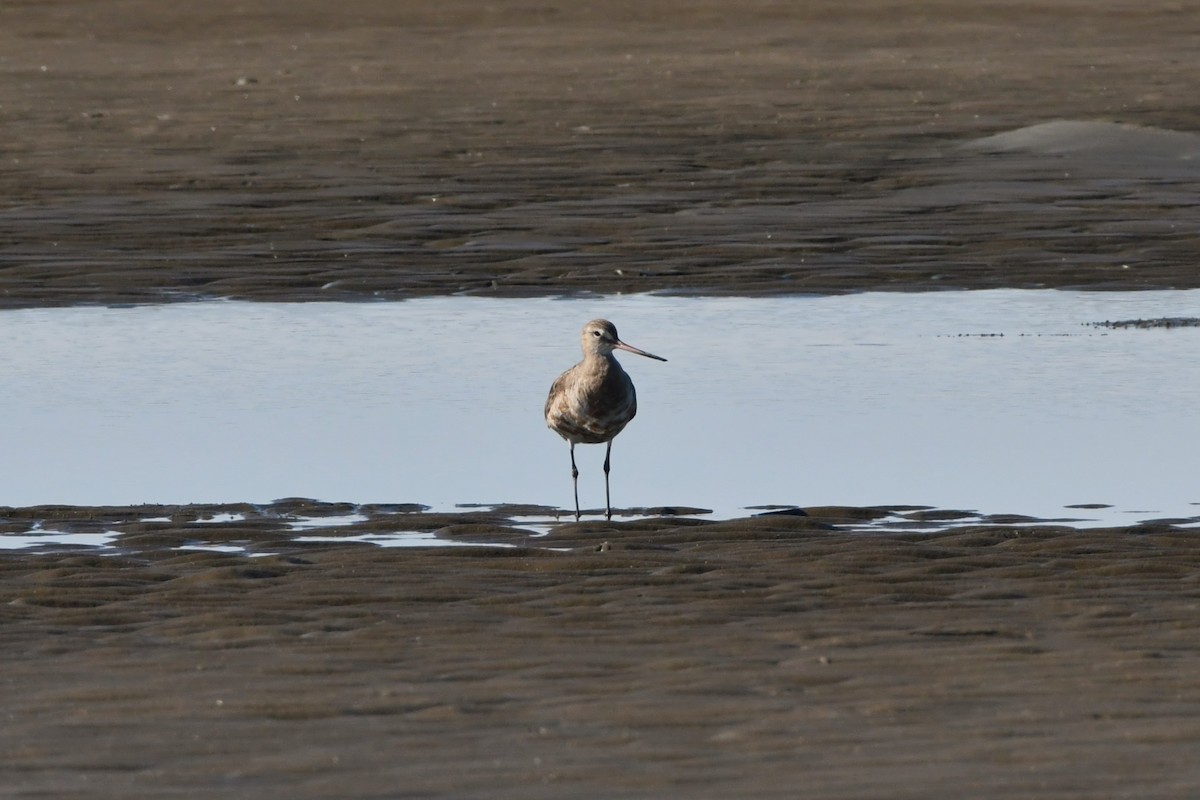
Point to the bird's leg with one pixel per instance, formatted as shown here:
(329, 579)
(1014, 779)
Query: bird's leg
(607, 501)
(575, 480)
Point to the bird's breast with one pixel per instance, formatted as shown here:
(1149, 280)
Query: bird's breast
(589, 406)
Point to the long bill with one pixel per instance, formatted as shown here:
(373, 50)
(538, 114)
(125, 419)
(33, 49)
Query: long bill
(631, 349)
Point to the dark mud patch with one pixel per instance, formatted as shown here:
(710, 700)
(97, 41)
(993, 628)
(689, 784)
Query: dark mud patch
(298, 525)
(1147, 324)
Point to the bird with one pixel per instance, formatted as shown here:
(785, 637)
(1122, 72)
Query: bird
(594, 400)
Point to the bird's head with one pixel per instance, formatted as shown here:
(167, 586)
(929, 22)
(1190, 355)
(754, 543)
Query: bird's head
(599, 338)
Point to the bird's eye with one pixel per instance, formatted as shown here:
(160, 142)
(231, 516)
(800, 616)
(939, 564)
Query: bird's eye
(596, 334)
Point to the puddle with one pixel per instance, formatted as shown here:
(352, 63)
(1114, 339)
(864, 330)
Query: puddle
(270, 531)
(333, 521)
(233, 549)
(995, 401)
(219, 519)
(400, 539)
(56, 539)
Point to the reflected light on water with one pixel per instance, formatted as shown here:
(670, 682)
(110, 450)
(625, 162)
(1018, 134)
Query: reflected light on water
(867, 399)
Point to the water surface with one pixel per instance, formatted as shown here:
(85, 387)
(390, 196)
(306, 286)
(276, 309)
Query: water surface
(999, 401)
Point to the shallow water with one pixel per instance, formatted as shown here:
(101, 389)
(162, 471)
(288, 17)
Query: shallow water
(868, 399)
(57, 539)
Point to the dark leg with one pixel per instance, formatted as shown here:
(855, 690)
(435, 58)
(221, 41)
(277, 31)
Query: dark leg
(575, 480)
(607, 501)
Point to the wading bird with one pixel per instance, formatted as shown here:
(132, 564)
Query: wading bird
(594, 400)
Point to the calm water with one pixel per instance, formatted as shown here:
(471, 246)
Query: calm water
(866, 399)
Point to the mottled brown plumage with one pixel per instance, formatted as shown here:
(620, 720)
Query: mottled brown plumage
(594, 400)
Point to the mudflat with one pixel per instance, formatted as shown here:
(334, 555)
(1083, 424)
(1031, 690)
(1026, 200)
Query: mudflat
(367, 150)
(768, 657)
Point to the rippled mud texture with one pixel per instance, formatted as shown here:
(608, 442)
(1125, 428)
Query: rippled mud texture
(659, 658)
(363, 149)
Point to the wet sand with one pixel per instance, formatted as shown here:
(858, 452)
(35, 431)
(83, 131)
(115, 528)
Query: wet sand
(365, 150)
(665, 657)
